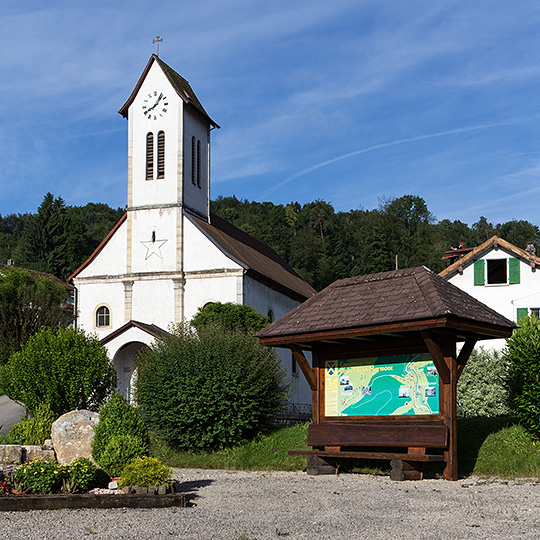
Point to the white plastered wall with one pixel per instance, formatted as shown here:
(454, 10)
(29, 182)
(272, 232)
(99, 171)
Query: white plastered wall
(503, 298)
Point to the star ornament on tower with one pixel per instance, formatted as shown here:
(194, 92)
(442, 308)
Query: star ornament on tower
(153, 247)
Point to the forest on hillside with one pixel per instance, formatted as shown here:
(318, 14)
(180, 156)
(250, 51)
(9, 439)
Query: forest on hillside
(322, 245)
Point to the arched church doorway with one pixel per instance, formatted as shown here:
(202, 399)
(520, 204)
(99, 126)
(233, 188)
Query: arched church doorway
(124, 362)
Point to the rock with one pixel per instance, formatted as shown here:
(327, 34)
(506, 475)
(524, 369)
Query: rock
(72, 435)
(11, 453)
(113, 484)
(32, 453)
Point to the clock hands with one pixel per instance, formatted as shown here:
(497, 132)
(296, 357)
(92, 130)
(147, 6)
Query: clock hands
(155, 104)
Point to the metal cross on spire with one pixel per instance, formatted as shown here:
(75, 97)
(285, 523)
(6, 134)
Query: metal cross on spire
(157, 41)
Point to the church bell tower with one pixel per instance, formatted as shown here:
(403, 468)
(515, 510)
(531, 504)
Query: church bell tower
(168, 167)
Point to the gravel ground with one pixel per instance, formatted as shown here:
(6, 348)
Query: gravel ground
(268, 505)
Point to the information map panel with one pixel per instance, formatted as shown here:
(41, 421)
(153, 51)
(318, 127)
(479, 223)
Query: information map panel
(382, 386)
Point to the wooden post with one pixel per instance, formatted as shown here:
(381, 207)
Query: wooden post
(449, 402)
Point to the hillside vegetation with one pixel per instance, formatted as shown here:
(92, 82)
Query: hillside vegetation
(322, 245)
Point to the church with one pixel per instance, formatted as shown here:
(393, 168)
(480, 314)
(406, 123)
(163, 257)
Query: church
(169, 255)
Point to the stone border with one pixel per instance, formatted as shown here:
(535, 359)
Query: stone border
(10, 503)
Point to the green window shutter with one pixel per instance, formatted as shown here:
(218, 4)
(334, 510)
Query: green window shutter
(479, 278)
(522, 312)
(513, 271)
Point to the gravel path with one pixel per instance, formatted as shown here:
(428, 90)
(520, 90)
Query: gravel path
(272, 505)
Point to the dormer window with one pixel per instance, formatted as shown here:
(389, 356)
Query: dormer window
(497, 271)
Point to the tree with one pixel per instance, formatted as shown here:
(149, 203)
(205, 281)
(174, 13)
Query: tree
(523, 377)
(28, 302)
(230, 316)
(62, 368)
(209, 388)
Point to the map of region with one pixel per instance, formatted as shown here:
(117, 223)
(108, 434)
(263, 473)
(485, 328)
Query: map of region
(382, 386)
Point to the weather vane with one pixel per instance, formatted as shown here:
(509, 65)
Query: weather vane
(157, 41)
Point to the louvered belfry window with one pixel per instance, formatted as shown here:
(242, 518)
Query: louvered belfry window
(161, 154)
(149, 156)
(198, 163)
(193, 161)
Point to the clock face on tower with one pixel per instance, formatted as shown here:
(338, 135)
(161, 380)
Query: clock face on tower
(154, 105)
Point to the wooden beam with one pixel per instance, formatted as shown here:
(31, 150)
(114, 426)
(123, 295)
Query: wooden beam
(434, 348)
(464, 355)
(301, 360)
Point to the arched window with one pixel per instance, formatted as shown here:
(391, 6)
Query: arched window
(271, 315)
(103, 317)
(193, 161)
(161, 154)
(149, 156)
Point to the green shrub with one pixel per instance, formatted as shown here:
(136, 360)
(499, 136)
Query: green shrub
(231, 316)
(82, 475)
(33, 430)
(119, 451)
(208, 389)
(117, 417)
(481, 390)
(145, 471)
(62, 368)
(40, 476)
(523, 378)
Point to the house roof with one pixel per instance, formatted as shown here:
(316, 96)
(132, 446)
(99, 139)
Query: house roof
(261, 262)
(151, 329)
(180, 85)
(396, 301)
(493, 243)
(36, 273)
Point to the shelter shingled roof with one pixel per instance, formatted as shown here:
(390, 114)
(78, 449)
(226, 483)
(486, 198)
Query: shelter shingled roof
(367, 304)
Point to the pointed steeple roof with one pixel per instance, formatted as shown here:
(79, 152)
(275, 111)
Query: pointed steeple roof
(180, 85)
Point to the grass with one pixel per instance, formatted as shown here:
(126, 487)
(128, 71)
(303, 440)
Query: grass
(486, 447)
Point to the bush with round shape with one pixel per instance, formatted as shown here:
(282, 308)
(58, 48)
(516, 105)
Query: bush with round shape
(117, 417)
(523, 377)
(63, 368)
(33, 430)
(119, 451)
(210, 388)
(145, 471)
(480, 389)
(231, 316)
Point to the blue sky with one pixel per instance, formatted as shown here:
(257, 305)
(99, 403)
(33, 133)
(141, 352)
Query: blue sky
(346, 101)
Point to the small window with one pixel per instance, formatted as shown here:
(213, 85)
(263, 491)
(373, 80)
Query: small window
(271, 316)
(496, 271)
(535, 311)
(103, 317)
(193, 161)
(149, 156)
(161, 154)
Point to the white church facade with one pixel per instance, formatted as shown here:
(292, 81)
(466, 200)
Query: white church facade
(168, 255)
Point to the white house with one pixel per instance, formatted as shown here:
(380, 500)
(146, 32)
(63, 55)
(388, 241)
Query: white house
(168, 255)
(502, 276)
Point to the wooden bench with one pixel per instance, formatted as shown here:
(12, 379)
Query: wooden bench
(329, 440)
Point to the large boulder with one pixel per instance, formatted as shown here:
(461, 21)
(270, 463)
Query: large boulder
(72, 435)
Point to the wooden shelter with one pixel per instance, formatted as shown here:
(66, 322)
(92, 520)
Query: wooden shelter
(389, 336)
